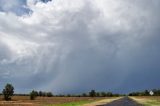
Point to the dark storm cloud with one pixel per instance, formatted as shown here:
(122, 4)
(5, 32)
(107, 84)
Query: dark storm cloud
(77, 45)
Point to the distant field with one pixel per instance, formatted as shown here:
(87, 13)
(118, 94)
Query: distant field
(148, 101)
(48, 101)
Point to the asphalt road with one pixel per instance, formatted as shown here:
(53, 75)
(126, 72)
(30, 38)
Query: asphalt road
(123, 102)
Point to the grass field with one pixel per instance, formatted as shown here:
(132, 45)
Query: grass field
(48, 101)
(148, 100)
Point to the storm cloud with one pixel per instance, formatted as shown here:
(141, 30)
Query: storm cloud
(73, 46)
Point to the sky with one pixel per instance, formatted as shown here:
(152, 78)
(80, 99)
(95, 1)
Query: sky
(73, 46)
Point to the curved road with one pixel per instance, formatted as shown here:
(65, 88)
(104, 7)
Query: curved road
(126, 101)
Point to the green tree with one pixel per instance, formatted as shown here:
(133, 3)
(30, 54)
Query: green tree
(84, 95)
(33, 95)
(40, 93)
(146, 93)
(103, 94)
(97, 94)
(92, 93)
(109, 94)
(49, 94)
(8, 91)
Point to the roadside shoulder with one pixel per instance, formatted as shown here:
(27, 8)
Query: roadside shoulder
(102, 102)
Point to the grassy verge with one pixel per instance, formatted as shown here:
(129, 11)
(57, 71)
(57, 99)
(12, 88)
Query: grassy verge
(78, 103)
(148, 101)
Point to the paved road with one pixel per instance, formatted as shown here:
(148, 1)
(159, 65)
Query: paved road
(123, 102)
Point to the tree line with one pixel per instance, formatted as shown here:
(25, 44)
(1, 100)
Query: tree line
(92, 93)
(154, 92)
(8, 92)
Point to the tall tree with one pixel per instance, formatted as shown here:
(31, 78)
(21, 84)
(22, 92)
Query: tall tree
(33, 95)
(92, 93)
(8, 91)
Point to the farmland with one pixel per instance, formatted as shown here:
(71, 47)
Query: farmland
(52, 101)
(148, 100)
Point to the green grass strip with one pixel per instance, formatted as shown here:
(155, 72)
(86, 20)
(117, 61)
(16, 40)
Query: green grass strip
(78, 103)
(152, 103)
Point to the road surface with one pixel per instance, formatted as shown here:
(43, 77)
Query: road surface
(126, 101)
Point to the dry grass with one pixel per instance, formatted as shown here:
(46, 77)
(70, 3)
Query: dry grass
(40, 101)
(148, 100)
(102, 102)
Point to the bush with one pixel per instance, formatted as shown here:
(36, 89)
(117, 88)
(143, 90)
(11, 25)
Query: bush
(84, 95)
(49, 94)
(103, 94)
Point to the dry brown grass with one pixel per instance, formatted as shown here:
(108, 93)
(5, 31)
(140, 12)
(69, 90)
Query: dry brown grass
(103, 102)
(148, 100)
(40, 101)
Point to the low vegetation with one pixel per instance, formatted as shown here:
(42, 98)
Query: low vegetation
(47, 101)
(78, 103)
(34, 98)
(156, 92)
(148, 100)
